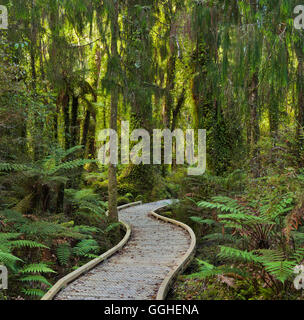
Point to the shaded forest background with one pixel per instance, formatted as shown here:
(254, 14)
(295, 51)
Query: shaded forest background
(71, 68)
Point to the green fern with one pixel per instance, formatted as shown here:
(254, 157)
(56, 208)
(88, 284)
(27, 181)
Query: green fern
(298, 255)
(41, 228)
(207, 270)
(37, 268)
(64, 252)
(239, 255)
(112, 226)
(86, 247)
(33, 292)
(70, 165)
(8, 259)
(36, 278)
(221, 237)
(87, 229)
(27, 243)
(87, 202)
(4, 166)
(203, 221)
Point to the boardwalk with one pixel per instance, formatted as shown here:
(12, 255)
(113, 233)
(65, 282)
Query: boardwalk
(137, 271)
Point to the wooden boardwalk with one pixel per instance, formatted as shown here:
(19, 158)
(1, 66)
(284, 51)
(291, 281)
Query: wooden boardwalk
(137, 271)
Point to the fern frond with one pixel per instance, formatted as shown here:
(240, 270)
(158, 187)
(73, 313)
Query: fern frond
(85, 247)
(36, 278)
(8, 259)
(112, 226)
(4, 166)
(27, 243)
(9, 236)
(13, 216)
(245, 218)
(218, 206)
(281, 270)
(37, 268)
(63, 254)
(203, 221)
(42, 228)
(298, 255)
(221, 237)
(236, 254)
(33, 292)
(70, 165)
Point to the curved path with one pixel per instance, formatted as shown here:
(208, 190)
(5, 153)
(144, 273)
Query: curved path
(137, 271)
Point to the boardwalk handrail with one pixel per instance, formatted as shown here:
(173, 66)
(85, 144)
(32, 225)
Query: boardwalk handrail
(182, 263)
(90, 265)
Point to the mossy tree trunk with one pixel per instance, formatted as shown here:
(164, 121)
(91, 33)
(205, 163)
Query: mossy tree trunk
(112, 187)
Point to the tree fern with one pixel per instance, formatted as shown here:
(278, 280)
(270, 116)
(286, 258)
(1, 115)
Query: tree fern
(70, 165)
(4, 166)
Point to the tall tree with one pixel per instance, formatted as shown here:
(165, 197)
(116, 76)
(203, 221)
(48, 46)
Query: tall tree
(113, 64)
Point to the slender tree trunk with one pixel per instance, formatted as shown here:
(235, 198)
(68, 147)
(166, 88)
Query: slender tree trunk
(176, 111)
(85, 129)
(91, 136)
(255, 126)
(300, 89)
(178, 108)
(66, 116)
(112, 187)
(74, 125)
(168, 106)
(41, 61)
(33, 44)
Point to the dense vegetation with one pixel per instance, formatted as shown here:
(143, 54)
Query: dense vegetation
(70, 68)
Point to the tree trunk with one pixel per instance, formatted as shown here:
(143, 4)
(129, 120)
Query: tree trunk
(66, 116)
(255, 127)
(112, 186)
(300, 89)
(85, 129)
(168, 106)
(74, 125)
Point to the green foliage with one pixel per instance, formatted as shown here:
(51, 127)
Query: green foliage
(86, 248)
(36, 268)
(27, 243)
(34, 292)
(36, 278)
(259, 233)
(64, 253)
(86, 201)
